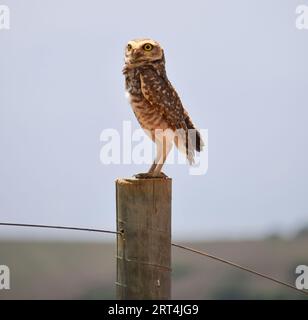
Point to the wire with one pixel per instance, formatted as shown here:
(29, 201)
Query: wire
(205, 254)
(239, 267)
(57, 227)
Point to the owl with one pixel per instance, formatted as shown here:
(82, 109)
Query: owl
(157, 105)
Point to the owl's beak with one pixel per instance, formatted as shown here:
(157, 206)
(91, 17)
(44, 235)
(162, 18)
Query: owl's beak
(136, 54)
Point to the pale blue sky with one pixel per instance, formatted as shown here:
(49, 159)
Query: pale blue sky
(240, 68)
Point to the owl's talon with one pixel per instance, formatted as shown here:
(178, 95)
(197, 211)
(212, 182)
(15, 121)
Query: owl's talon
(161, 175)
(144, 175)
(149, 175)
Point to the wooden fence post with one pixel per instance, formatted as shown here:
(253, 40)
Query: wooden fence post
(144, 247)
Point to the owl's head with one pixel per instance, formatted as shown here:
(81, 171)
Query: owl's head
(142, 51)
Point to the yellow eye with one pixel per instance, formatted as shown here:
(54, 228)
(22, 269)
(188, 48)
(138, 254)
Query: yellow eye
(147, 47)
(129, 47)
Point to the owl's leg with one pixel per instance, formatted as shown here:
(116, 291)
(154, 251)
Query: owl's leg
(163, 150)
(149, 174)
(164, 145)
(153, 166)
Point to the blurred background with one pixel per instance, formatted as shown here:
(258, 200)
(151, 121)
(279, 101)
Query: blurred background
(241, 70)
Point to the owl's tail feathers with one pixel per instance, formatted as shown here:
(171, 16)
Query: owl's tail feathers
(194, 134)
(188, 140)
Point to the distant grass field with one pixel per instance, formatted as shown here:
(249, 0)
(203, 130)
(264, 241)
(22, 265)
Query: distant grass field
(62, 270)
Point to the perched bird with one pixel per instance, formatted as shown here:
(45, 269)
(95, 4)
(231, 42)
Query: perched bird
(157, 105)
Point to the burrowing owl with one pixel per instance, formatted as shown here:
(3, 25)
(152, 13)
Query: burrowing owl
(157, 105)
